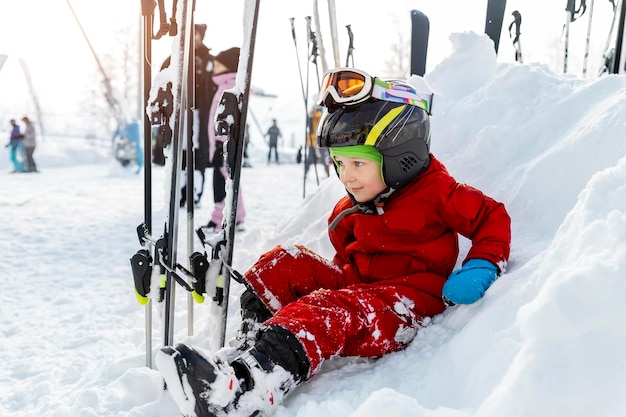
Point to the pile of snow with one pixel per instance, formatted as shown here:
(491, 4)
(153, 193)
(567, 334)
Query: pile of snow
(546, 340)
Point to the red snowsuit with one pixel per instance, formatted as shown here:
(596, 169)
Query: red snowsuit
(388, 270)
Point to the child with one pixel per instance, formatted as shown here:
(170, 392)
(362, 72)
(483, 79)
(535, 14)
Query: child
(224, 76)
(396, 242)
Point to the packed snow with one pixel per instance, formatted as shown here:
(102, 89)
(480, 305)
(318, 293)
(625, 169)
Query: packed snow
(546, 340)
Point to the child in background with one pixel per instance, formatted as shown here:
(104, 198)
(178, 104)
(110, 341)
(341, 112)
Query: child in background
(224, 76)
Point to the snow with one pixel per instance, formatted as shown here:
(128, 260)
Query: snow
(546, 340)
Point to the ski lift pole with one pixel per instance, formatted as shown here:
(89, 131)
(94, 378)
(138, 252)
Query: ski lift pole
(33, 95)
(115, 107)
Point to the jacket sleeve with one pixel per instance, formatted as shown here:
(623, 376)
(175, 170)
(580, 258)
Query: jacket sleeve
(481, 219)
(341, 234)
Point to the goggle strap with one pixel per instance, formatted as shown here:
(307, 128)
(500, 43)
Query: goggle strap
(385, 91)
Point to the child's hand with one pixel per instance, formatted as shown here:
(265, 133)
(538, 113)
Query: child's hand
(468, 284)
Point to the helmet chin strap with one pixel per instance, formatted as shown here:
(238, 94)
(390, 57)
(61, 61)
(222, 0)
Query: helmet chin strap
(374, 206)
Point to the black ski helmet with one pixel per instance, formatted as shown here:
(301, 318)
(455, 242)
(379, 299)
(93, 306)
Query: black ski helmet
(400, 132)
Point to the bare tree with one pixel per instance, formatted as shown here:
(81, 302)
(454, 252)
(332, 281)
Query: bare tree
(398, 63)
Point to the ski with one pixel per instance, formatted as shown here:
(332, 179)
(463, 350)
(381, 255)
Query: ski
(181, 105)
(169, 108)
(493, 21)
(230, 122)
(420, 29)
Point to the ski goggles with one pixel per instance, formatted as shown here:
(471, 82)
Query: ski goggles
(349, 86)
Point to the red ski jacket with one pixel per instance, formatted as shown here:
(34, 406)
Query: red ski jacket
(388, 270)
(415, 242)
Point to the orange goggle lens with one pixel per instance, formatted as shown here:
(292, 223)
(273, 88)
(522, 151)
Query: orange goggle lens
(344, 85)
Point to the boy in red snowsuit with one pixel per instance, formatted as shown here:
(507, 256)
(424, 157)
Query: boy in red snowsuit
(396, 240)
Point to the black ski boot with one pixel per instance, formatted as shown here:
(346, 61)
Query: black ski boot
(202, 386)
(253, 314)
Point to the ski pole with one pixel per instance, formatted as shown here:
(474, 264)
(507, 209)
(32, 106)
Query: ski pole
(350, 46)
(304, 97)
(332, 17)
(318, 35)
(184, 48)
(517, 22)
(571, 13)
(587, 40)
(310, 49)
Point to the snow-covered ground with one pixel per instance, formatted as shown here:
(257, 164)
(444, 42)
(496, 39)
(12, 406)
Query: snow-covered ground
(546, 340)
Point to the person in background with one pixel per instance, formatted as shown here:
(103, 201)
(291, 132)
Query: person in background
(30, 143)
(396, 240)
(205, 90)
(224, 76)
(16, 148)
(274, 133)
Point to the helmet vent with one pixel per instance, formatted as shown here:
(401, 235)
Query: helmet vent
(407, 163)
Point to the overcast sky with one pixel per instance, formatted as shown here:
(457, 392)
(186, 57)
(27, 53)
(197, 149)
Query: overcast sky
(45, 34)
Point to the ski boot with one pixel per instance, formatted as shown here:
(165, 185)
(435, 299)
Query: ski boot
(202, 386)
(253, 314)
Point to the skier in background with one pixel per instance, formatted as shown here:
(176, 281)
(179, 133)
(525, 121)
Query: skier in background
(274, 133)
(16, 148)
(30, 143)
(395, 234)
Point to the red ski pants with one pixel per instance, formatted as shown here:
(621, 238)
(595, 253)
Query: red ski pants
(311, 298)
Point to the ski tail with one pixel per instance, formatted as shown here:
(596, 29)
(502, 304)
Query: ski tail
(420, 29)
(493, 20)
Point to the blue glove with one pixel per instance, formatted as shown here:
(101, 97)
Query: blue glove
(468, 284)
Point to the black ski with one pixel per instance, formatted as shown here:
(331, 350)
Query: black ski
(620, 39)
(420, 29)
(231, 122)
(493, 21)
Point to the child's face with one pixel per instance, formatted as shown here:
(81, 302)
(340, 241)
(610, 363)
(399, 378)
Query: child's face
(361, 177)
